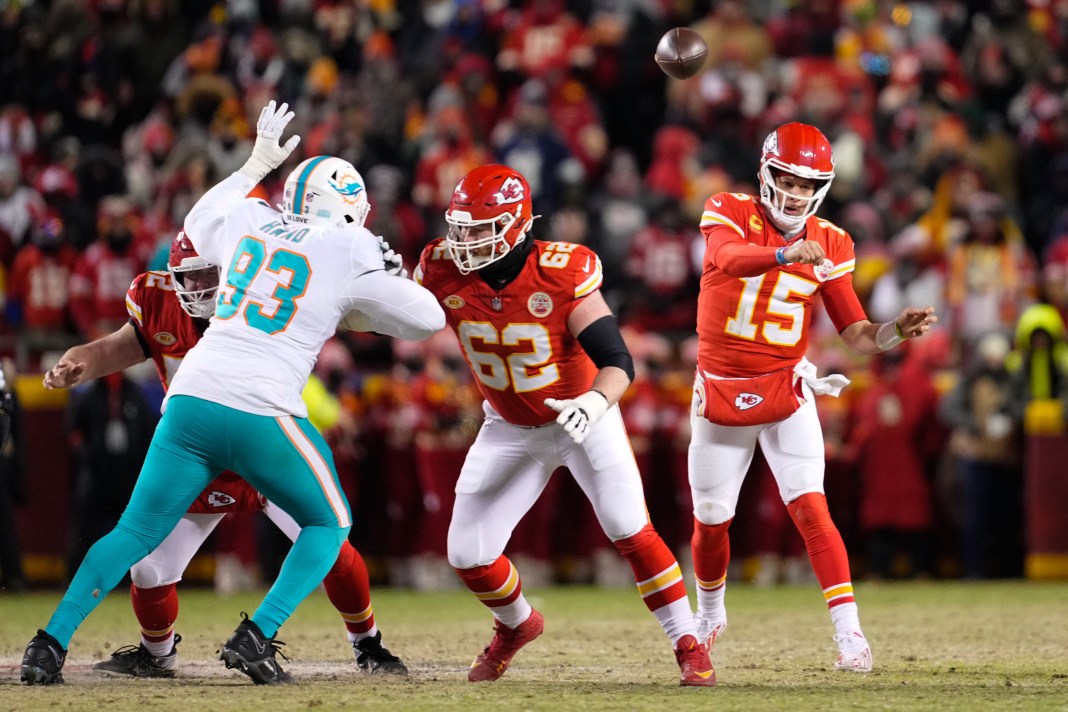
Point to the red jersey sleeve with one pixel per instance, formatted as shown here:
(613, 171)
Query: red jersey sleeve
(839, 298)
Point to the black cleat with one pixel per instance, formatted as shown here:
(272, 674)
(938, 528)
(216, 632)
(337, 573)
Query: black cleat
(42, 664)
(136, 661)
(372, 657)
(251, 652)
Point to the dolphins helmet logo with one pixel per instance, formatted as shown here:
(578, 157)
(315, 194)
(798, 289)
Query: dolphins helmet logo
(347, 187)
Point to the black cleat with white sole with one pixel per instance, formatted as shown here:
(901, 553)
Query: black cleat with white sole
(373, 658)
(42, 664)
(251, 652)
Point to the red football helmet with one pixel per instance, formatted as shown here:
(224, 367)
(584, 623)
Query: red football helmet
(198, 297)
(800, 150)
(493, 195)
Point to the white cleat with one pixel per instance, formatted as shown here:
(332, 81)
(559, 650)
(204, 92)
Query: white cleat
(854, 653)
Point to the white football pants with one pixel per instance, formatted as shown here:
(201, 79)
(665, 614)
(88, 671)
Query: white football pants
(508, 467)
(719, 457)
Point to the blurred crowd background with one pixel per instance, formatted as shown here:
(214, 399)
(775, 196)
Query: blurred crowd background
(949, 122)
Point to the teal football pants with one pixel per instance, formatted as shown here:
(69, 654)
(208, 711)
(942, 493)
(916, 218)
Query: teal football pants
(284, 458)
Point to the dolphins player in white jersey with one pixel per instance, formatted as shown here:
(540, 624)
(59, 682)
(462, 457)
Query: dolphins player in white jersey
(287, 280)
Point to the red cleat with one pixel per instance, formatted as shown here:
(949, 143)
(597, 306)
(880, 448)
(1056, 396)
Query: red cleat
(694, 664)
(493, 661)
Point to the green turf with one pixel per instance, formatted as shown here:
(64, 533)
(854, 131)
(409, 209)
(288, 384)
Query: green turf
(944, 646)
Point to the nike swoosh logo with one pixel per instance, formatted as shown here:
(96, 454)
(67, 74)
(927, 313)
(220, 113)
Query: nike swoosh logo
(586, 267)
(716, 203)
(260, 647)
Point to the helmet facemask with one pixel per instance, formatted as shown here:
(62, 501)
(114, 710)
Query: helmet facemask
(198, 303)
(775, 198)
(471, 255)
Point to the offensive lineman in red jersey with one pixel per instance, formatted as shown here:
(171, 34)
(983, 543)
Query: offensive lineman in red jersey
(541, 341)
(169, 312)
(766, 259)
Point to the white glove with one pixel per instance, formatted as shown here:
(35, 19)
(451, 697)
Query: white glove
(394, 262)
(266, 153)
(578, 415)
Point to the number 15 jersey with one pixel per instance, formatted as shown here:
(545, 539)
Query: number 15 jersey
(754, 325)
(516, 339)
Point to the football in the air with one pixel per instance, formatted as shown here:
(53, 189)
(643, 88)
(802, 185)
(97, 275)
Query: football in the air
(681, 53)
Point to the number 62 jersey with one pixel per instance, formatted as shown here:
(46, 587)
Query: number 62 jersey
(516, 339)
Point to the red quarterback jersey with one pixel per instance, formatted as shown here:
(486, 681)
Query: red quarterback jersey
(167, 333)
(755, 325)
(516, 340)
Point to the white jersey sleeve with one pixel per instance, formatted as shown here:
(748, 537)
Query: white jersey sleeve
(206, 221)
(393, 306)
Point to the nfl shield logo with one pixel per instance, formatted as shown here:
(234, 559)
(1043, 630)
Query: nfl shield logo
(496, 303)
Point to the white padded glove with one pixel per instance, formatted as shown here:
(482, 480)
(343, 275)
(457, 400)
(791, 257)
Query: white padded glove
(578, 415)
(266, 153)
(394, 263)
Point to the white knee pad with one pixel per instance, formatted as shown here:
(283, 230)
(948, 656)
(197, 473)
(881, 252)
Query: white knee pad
(152, 572)
(711, 512)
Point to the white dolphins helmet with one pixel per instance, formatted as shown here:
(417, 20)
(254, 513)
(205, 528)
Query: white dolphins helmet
(325, 191)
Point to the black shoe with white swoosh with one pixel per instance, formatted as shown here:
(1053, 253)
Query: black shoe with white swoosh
(42, 664)
(251, 652)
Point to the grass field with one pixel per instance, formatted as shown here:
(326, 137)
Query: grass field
(945, 646)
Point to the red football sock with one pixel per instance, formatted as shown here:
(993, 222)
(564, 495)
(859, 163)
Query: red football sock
(826, 550)
(656, 571)
(495, 584)
(349, 588)
(711, 548)
(156, 610)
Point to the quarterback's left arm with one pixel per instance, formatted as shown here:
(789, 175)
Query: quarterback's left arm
(592, 323)
(860, 334)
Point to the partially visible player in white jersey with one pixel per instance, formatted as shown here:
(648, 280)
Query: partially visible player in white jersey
(287, 280)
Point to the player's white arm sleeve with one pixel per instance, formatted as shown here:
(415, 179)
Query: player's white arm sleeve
(394, 306)
(208, 216)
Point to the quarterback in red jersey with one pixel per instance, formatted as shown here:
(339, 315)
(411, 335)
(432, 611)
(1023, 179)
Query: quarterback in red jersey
(766, 259)
(169, 312)
(545, 352)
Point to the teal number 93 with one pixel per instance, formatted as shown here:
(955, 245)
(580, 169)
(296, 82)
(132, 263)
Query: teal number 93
(249, 258)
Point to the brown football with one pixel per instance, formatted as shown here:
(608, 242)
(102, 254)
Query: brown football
(681, 53)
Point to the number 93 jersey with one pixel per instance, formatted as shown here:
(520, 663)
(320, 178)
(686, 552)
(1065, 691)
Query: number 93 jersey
(516, 339)
(283, 288)
(755, 325)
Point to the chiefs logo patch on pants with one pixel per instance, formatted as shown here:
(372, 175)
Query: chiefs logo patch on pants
(747, 401)
(227, 493)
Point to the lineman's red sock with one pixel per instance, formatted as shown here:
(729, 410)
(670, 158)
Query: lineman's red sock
(659, 581)
(156, 610)
(349, 588)
(498, 586)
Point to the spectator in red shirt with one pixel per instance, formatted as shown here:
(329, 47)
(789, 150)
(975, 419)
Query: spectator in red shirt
(99, 283)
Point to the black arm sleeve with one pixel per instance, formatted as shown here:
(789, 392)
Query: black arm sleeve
(603, 343)
(141, 338)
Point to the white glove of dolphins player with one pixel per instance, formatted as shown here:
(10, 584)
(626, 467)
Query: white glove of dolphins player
(267, 154)
(394, 262)
(578, 414)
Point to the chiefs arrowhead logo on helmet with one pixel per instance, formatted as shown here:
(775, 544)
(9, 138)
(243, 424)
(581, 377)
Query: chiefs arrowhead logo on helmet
(511, 191)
